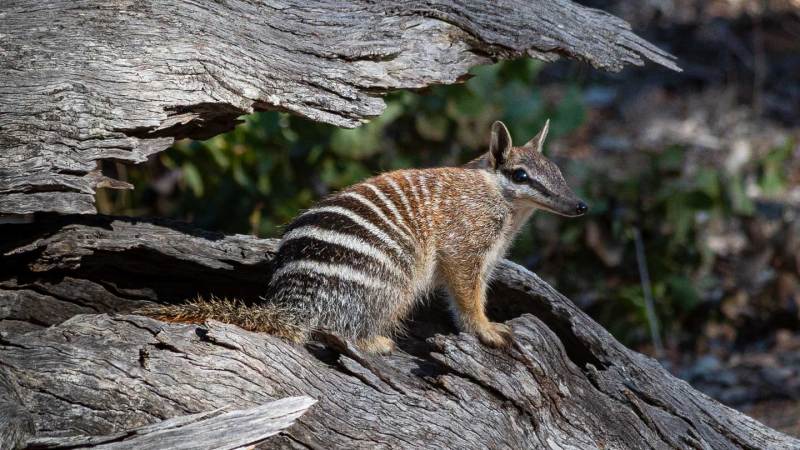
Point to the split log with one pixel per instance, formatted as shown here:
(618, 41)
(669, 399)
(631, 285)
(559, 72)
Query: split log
(83, 81)
(565, 383)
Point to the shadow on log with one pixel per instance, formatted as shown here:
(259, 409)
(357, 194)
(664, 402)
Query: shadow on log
(566, 382)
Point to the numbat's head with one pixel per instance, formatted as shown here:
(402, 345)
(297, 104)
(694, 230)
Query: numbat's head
(527, 177)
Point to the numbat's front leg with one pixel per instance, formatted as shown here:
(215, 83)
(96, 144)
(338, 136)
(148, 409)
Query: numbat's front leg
(493, 334)
(468, 294)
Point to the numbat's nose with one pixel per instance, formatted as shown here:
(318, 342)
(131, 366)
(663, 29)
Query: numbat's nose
(581, 208)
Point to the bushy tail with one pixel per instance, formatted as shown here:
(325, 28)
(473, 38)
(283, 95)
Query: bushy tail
(263, 318)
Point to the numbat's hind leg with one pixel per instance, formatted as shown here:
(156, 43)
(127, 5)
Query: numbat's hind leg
(378, 344)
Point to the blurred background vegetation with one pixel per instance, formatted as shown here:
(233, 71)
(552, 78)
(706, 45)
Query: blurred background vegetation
(692, 180)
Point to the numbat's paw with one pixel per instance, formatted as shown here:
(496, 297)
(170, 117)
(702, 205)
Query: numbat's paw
(379, 344)
(497, 335)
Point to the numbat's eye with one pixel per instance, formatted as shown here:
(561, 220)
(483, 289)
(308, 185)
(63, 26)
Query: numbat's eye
(519, 176)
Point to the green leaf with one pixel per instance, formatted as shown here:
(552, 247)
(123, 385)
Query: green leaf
(569, 114)
(193, 178)
(484, 81)
(773, 180)
(431, 127)
(683, 292)
(465, 105)
(740, 201)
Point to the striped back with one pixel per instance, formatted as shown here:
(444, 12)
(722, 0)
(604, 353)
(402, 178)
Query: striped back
(347, 256)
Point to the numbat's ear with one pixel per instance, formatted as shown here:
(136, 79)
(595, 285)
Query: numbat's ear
(538, 141)
(500, 144)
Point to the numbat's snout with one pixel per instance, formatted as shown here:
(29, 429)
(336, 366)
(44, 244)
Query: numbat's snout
(358, 262)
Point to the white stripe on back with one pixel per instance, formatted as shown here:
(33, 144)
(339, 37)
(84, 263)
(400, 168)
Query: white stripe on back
(369, 226)
(339, 271)
(374, 208)
(423, 201)
(402, 196)
(437, 193)
(347, 241)
(422, 181)
(390, 205)
(413, 186)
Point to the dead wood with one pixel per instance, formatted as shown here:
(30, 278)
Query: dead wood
(209, 430)
(85, 81)
(566, 382)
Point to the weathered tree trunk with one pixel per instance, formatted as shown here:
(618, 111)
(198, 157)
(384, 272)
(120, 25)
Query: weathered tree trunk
(82, 81)
(566, 382)
(87, 80)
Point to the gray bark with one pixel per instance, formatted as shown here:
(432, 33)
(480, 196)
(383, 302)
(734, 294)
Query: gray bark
(86, 80)
(201, 431)
(565, 383)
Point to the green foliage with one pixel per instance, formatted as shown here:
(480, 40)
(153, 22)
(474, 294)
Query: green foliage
(773, 174)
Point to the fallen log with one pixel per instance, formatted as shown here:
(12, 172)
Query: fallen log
(565, 383)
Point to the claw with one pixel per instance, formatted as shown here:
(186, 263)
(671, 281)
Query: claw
(496, 335)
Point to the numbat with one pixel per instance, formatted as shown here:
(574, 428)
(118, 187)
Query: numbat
(358, 262)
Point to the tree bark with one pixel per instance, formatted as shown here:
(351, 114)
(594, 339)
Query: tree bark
(83, 81)
(565, 383)
(209, 430)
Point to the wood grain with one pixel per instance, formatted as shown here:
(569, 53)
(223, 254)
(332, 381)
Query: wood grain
(566, 382)
(201, 431)
(86, 80)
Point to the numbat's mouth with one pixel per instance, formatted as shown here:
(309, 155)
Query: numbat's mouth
(567, 209)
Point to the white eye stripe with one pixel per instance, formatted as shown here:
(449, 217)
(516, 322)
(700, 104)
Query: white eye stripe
(540, 188)
(530, 180)
(390, 206)
(347, 241)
